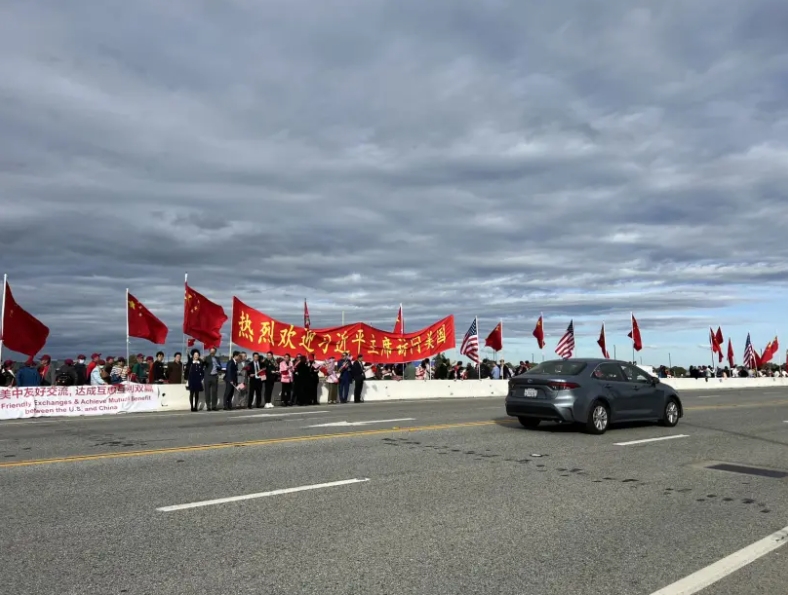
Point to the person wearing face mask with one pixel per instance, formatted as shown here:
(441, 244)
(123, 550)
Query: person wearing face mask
(195, 374)
(81, 370)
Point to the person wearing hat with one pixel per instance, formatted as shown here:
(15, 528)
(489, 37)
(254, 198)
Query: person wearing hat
(98, 375)
(7, 376)
(359, 375)
(28, 376)
(47, 371)
(94, 360)
(66, 374)
(81, 370)
(140, 369)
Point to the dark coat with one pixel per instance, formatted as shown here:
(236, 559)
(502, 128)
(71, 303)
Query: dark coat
(358, 371)
(195, 376)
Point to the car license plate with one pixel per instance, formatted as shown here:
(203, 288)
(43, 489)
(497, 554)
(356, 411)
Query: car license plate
(530, 392)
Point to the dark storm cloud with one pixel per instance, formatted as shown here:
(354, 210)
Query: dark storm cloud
(583, 159)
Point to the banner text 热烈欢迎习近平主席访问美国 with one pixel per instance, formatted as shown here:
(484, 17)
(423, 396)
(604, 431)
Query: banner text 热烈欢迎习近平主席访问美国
(253, 330)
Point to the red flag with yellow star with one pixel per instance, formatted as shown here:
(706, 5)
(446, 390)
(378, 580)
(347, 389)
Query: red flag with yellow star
(399, 324)
(143, 324)
(21, 331)
(202, 318)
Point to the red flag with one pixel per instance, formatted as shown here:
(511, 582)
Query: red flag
(190, 342)
(202, 318)
(21, 331)
(143, 324)
(495, 338)
(539, 332)
(731, 361)
(634, 334)
(399, 325)
(716, 345)
(602, 342)
(307, 321)
(770, 351)
(719, 338)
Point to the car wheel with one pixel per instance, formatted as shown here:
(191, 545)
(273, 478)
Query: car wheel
(670, 417)
(598, 418)
(529, 422)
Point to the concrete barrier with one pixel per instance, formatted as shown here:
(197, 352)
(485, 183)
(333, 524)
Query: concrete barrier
(176, 398)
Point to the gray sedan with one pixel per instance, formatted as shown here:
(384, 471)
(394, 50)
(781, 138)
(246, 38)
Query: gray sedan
(591, 392)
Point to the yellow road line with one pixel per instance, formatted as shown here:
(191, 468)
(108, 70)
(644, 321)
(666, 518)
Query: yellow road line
(315, 437)
(266, 442)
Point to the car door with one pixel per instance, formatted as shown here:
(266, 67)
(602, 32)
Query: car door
(644, 394)
(619, 390)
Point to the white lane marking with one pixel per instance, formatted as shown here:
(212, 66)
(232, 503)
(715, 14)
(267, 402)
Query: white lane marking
(317, 486)
(719, 570)
(338, 424)
(281, 414)
(710, 396)
(651, 440)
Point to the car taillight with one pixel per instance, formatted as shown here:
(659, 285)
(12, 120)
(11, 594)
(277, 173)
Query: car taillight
(563, 385)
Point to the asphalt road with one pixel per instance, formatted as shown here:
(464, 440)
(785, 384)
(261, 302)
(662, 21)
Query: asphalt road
(451, 497)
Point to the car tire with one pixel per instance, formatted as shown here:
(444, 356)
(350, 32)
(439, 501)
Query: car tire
(670, 417)
(529, 422)
(598, 418)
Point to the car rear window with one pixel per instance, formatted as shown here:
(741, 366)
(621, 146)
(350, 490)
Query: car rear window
(557, 368)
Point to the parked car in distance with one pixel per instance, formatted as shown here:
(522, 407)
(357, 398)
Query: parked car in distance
(591, 392)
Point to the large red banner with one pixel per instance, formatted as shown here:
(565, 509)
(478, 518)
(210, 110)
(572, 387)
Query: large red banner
(256, 331)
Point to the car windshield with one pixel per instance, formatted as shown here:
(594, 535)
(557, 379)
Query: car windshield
(557, 368)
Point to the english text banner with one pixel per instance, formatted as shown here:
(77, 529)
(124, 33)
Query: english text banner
(55, 401)
(255, 331)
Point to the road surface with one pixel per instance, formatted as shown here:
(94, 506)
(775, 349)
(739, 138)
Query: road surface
(429, 498)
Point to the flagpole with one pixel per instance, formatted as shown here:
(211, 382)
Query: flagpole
(541, 343)
(2, 315)
(712, 340)
(127, 326)
(402, 315)
(615, 355)
(232, 318)
(183, 335)
(479, 363)
(496, 355)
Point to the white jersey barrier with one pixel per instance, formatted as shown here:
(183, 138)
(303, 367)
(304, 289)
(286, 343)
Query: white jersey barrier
(68, 401)
(412, 390)
(57, 401)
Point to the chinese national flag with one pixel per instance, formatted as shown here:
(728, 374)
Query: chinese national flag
(634, 334)
(495, 338)
(769, 352)
(202, 318)
(716, 345)
(190, 342)
(602, 342)
(143, 324)
(539, 333)
(22, 332)
(399, 325)
(719, 338)
(731, 360)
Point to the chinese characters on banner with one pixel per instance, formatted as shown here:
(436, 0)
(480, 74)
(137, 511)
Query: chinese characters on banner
(255, 331)
(52, 401)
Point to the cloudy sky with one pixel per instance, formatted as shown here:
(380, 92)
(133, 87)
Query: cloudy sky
(469, 157)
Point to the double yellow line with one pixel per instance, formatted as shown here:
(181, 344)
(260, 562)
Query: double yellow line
(315, 437)
(266, 442)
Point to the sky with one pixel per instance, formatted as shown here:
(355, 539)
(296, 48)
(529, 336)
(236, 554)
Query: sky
(484, 158)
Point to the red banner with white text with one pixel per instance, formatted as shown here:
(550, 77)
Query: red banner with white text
(256, 331)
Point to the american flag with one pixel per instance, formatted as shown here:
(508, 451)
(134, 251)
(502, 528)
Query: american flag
(566, 346)
(749, 354)
(470, 343)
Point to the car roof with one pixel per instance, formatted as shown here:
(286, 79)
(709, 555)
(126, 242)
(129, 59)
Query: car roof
(589, 360)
